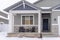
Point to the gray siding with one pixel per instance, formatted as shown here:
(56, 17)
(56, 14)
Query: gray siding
(36, 19)
(17, 19)
(54, 29)
(3, 20)
(54, 20)
(55, 15)
(48, 3)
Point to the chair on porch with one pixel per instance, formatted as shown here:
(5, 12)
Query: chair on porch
(33, 29)
(21, 29)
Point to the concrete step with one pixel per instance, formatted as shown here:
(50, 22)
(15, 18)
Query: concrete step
(49, 35)
(34, 35)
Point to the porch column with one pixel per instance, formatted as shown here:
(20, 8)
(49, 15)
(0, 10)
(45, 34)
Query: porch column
(11, 23)
(59, 25)
(39, 22)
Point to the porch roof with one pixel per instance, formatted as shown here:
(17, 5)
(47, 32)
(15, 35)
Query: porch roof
(22, 5)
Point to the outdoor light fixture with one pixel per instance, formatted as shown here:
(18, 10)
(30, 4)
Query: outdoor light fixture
(54, 19)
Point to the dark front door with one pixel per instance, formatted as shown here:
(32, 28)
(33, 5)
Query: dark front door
(45, 25)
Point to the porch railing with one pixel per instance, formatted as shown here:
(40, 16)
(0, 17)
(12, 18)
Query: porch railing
(26, 28)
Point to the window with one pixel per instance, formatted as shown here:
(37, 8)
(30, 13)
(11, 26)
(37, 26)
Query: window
(27, 20)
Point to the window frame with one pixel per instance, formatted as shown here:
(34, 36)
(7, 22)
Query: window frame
(27, 15)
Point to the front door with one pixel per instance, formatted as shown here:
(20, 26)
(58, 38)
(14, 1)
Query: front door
(45, 25)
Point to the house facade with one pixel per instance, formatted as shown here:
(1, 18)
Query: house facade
(40, 17)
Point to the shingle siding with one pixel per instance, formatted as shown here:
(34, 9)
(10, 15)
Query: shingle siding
(47, 3)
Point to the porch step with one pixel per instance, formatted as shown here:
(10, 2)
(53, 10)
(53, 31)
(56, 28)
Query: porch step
(33, 35)
(49, 35)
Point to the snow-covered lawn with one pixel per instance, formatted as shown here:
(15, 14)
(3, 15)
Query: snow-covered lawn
(4, 34)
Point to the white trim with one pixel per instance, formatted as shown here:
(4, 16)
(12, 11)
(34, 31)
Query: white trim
(45, 7)
(59, 25)
(54, 24)
(55, 10)
(27, 15)
(39, 22)
(46, 12)
(24, 11)
(23, 4)
(10, 23)
(15, 7)
(25, 25)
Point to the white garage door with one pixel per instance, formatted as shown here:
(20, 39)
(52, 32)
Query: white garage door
(4, 27)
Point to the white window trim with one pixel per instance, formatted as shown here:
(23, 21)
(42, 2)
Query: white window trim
(27, 15)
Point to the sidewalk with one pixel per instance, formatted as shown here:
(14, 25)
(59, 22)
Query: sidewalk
(4, 34)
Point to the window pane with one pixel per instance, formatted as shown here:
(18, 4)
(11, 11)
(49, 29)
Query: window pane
(31, 19)
(27, 22)
(23, 19)
(27, 18)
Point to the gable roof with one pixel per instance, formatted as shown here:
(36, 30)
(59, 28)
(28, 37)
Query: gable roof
(24, 8)
(57, 7)
(37, 1)
(20, 4)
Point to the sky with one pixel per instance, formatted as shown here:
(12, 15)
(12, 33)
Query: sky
(6, 3)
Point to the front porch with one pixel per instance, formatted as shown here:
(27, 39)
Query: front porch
(32, 29)
(29, 28)
(26, 23)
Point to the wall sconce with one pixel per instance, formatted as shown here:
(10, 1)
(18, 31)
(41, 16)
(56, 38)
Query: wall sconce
(54, 19)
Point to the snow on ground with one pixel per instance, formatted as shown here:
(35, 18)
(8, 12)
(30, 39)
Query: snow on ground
(4, 34)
